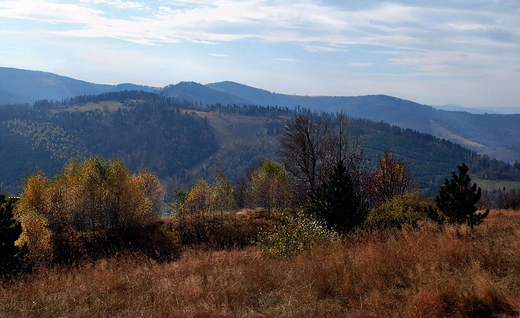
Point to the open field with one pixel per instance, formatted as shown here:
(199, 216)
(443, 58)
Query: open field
(428, 271)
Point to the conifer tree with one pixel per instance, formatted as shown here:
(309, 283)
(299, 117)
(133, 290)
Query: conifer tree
(457, 199)
(12, 257)
(337, 203)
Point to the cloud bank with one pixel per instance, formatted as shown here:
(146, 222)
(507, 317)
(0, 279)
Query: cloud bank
(446, 40)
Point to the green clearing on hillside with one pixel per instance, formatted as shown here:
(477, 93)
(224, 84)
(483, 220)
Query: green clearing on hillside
(109, 106)
(496, 184)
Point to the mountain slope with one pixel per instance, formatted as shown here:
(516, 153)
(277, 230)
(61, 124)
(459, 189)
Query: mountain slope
(492, 134)
(181, 142)
(23, 86)
(495, 135)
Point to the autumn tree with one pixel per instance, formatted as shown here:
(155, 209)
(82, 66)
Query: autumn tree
(93, 197)
(269, 186)
(222, 196)
(458, 197)
(392, 177)
(198, 199)
(30, 211)
(206, 198)
(151, 188)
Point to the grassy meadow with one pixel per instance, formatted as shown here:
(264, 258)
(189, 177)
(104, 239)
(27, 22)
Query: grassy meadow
(424, 271)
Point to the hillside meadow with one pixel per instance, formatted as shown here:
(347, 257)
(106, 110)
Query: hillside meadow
(423, 271)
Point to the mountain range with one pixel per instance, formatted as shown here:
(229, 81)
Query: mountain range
(23, 86)
(496, 135)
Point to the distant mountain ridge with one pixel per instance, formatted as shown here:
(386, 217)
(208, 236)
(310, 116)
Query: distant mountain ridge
(19, 86)
(493, 134)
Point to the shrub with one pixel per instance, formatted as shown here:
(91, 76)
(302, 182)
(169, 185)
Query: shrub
(398, 211)
(294, 233)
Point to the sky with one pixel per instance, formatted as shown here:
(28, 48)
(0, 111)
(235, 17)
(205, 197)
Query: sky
(464, 52)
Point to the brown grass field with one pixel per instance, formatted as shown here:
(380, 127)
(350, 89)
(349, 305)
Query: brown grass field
(428, 271)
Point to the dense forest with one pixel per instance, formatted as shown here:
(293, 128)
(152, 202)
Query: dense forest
(144, 130)
(181, 141)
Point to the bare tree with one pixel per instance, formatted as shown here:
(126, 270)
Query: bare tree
(302, 149)
(310, 147)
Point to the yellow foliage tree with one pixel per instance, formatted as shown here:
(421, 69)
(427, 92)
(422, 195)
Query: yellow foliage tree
(198, 199)
(151, 188)
(269, 187)
(36, 235)
(222, 198)
(93, 196)
(206, 198)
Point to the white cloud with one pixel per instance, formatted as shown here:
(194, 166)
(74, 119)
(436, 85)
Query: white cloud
(389, 24)
(361, 64)
(455, 39)
(322, 49)
(46, 11)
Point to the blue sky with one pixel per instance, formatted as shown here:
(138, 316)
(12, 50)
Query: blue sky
(463, 52)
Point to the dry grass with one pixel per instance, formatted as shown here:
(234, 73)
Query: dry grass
(422, 272)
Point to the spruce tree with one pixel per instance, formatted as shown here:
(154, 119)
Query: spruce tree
(337, 203)
(457, 199)
(12, 257)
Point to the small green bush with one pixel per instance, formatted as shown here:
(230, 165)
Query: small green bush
(398, 211)
(294, 233)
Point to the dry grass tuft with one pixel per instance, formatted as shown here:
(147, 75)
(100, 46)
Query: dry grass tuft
(428, 271)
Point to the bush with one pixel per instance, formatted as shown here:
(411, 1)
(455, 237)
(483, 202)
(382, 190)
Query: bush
(156, 240)
(294, 233)
(398, 211)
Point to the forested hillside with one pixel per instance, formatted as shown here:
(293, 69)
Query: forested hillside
(181, 142)
(491, 134)
(494, 135)
(141, 128)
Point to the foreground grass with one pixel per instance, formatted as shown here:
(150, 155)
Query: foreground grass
(423, 272)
